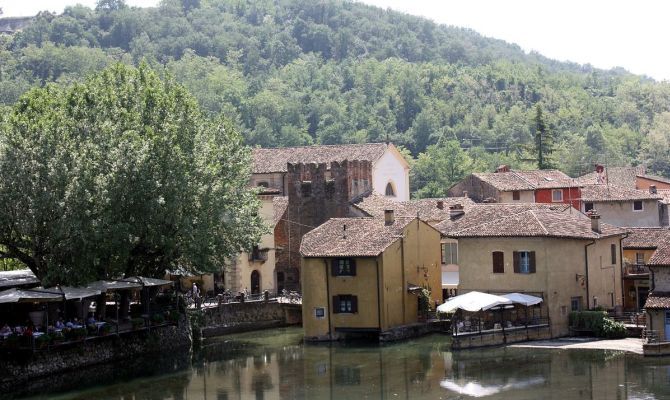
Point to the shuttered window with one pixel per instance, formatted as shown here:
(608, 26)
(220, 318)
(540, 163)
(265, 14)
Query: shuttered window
(524, 262)
(343, 267)
(613, 251)
(345, 304)
(498, 262)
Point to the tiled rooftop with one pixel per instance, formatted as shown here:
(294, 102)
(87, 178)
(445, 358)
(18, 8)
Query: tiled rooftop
(645, 238)
(497, 221)
(606, 193)
(427, 209)
(527, 180)
(279, 205)
(658, 300)
(275, 159)
(352, 237)
(478, 214)
(661, 256)
(625, 177)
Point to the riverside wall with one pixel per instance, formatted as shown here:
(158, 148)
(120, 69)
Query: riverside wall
(253, 315)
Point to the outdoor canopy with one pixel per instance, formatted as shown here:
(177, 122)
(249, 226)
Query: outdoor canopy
(28, 296)
(473, 301)
(524, 299)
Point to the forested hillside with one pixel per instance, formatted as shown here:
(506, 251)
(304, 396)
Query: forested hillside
(293, 72)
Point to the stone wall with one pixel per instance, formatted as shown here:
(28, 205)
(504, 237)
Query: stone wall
(253, 315)
(18, 369)
(499, 338)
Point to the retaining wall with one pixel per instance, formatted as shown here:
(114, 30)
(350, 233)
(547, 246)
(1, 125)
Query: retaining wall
(253, 315)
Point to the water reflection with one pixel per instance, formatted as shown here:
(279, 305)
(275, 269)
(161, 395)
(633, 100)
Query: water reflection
(275, 365)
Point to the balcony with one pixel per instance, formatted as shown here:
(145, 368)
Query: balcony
(635, 270)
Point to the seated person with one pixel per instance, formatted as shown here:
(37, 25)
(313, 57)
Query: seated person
(91, 320)
(59, 324)
(6, 330)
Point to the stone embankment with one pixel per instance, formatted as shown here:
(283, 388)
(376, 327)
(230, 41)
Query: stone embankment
(632, 345)
(19, 369)
(248, 316)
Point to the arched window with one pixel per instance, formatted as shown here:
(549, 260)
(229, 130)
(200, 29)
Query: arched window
(389, 190)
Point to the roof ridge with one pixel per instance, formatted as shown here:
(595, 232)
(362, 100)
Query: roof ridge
(518, 175)
(546, 232)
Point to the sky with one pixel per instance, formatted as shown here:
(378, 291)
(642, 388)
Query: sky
(605, 34)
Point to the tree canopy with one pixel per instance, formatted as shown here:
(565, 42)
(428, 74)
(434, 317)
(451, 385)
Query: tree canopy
(121, 175)
(298, 72)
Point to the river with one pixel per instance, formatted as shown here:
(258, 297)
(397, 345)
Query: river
(273, 364)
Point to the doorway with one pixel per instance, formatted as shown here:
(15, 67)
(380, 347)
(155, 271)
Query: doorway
(255, 282)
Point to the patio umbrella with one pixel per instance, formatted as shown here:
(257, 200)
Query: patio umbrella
(525, 299)
(473, 301)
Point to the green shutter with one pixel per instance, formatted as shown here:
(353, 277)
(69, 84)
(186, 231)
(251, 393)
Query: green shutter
(517, 262)
(352, 266)
(336, 304)
(532, 262)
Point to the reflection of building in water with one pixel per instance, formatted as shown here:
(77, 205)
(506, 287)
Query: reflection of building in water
(335, 373)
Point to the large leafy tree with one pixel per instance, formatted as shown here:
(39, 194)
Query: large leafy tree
(121, 175)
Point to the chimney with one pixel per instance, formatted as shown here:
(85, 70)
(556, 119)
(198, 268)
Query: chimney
(389, 217)
(503, 168)
(595, 220)
(344, 231)
(440, 204)
(456, 211)
(652, 189)
(465, 193)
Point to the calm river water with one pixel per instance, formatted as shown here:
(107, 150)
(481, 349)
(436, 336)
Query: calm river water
(274, 365)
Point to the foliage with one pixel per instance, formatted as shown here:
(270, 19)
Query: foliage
(297, 72)
(119, 176)
(597, 322)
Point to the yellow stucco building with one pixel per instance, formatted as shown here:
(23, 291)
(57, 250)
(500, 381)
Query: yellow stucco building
(365, 275)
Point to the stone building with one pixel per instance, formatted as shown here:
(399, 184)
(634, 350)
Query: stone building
(657, 305)
(639, 246)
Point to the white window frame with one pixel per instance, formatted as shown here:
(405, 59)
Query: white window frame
(641, 206)
(553, 197)
(524, 261)
(449, 253)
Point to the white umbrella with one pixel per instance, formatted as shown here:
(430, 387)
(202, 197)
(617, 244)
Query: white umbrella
(525, 299)
(473, 301)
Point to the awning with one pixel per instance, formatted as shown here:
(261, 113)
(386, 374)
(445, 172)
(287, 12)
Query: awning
(525, 299)
(473, 301)
(153, 281)
(17, 278)
(28, 296)
(72, 293)
(105, 286)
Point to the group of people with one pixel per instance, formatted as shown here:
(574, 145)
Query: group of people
(29, 329)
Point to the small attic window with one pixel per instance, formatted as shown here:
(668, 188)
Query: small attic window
(389, 190)
(263, 184)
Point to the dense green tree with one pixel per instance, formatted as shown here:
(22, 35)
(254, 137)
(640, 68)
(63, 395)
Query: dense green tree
(543, 140)
(439, 168)
(121, 175)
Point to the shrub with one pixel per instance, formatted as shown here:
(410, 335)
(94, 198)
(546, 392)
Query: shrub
(611, 329)
(137, 323)
(597, 322)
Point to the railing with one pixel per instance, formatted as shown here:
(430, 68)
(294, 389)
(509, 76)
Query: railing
(635, 269)
(474, 326)
(213, 300)
(631, 319)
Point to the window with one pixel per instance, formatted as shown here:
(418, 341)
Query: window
(613, 252)
(557, 195)
(306, 188)
(263, 184)
(345, 304)
(639, 258)
(343, 267)
(516, 195)
(449, 253)
(498, 262)
(319, 313)
(389, 190)
(258, 254)
(588, 207)
(637, 206)
(524, 262)
(576, 304)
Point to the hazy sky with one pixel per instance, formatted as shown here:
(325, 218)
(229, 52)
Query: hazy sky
(630, 34)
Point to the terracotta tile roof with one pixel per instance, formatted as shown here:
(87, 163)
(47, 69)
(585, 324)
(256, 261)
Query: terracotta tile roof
(645, 238)
(275, 160)
(481, 213)
(665, 195)
(655, 178)
(363, 237)
(427, 209)
(279, 206)
(661, 256)
(606, 193)
(527, 180)
(658, 300)
(620, 176)
(527, 223)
